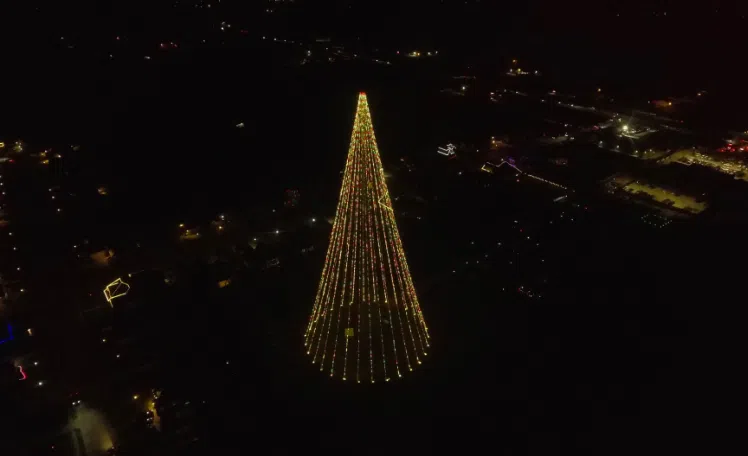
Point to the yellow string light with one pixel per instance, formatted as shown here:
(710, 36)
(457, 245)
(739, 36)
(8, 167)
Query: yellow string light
(366, 284)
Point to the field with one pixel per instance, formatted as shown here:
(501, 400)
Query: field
(665, 196)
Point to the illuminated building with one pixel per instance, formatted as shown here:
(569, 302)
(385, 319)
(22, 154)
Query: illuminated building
(115, 290)
(366, 324)
(446, 151)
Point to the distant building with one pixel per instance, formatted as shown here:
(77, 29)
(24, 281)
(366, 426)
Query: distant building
(447, 151)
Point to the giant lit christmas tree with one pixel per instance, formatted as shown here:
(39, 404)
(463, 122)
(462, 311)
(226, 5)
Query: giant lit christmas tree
(366, 324)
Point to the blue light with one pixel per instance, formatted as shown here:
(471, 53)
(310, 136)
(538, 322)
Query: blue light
(10, 335)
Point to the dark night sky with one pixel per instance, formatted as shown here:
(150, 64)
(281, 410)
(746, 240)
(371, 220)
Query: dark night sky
(670, 45)
(583, 26)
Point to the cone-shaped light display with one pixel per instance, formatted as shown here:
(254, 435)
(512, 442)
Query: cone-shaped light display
(366, 324)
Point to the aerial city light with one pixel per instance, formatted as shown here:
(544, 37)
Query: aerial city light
(366, 323)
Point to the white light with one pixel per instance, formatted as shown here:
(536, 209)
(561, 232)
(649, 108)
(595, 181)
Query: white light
(314, 220)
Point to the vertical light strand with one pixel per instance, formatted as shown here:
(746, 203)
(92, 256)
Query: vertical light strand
(339, 248)
(392, 228)
(384, 212)
(378, 218)
(334, 253)
(390, 234)
(356, 250)
(367, 295)
(372, 298)
(377, 301)
(382, 245)
(330, 281)
(353, 220)
(408, 306)
(345, 254)
(406, 287)
(326, 270)
(365, 270)
(421, 322)
(359, 315)
(357, 293)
